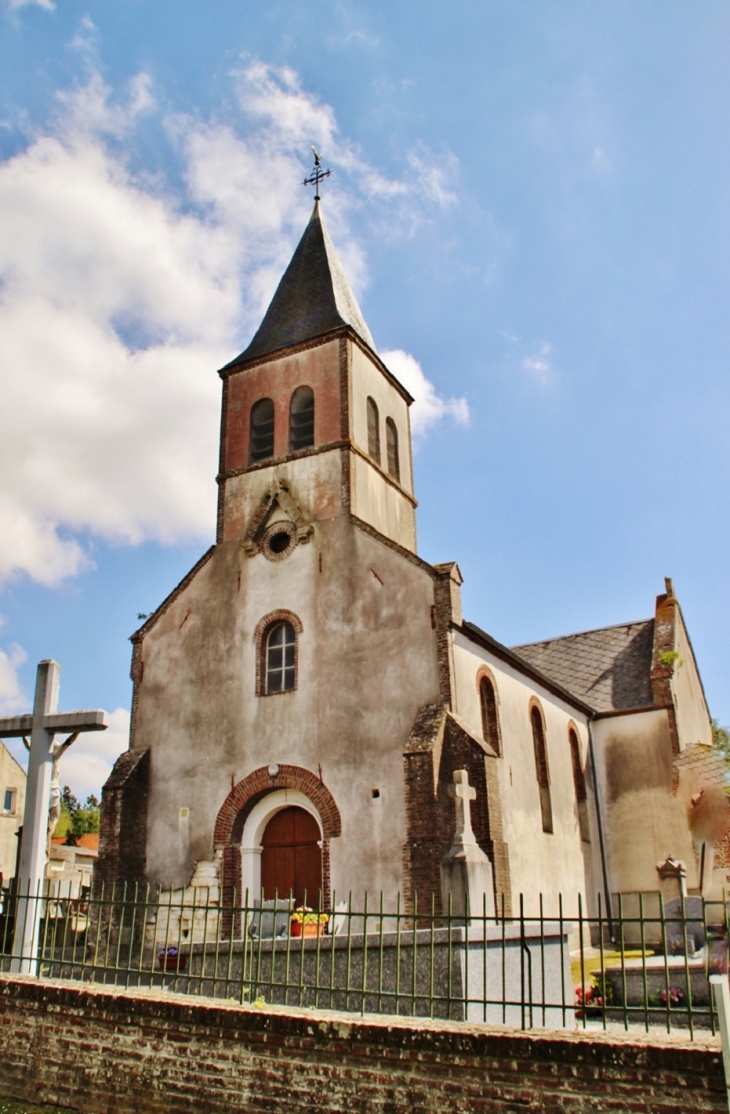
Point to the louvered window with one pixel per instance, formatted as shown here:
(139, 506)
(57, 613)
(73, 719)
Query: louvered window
(373, 431)
(391, 444)
(262, 430)
(301, 419)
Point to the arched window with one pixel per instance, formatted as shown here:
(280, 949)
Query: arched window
(391, 445)
(280, 658)
(301, 419)
(579, 781)
(490, 722)
(262, 430)
(541, 767)
(373, 431)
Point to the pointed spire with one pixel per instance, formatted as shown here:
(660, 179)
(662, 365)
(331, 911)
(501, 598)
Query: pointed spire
(313, 298)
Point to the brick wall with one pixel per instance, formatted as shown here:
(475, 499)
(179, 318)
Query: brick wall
(123, 830)
(101, 1050)
(438, 745)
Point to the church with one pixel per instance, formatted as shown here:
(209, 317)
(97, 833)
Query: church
(304, 696)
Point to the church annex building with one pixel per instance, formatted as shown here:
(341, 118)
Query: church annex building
(303, 697)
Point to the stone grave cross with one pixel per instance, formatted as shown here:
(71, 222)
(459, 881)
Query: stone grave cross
(464, 794)
(466, 872)
(41, 726)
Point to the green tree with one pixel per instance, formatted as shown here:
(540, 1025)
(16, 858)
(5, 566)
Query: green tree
(721, 739)
(76, 819)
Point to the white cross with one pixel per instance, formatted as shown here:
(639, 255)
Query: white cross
(41, 726)
(463, 794)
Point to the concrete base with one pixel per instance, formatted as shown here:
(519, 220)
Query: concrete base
(503, 976)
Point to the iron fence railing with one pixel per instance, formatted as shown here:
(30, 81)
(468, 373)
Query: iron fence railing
(648, 963)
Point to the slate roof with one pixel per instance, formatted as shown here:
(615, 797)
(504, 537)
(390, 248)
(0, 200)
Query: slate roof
(313, 298)
(607, 668)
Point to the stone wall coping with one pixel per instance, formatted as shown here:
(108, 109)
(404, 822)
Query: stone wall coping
(496, 934)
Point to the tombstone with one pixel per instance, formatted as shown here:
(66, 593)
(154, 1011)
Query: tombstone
(672, 878)
(466, 872)
(677, 925)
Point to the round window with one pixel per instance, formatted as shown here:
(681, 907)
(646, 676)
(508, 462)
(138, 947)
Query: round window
(279, 540)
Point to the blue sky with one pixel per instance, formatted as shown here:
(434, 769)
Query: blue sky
(532, 203)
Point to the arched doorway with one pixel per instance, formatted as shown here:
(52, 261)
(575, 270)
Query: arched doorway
(291, 859)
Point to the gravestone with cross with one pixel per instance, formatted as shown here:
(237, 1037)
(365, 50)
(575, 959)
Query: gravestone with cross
(41, 728)
(466, 872)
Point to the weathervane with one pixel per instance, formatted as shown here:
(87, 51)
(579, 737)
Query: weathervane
(317, 174)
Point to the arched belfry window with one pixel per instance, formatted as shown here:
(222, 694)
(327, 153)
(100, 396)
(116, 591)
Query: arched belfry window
(391, 445)
(579, 781)
(373, 431)
(301, 419)
(281, 658)
(541, 767)
(262, 430)
(490, 720)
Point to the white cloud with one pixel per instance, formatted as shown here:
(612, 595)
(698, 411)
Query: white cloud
(539, 363)
(428, 407)
(12, 697)
(88, 762)
(14, 5)
(120, 295)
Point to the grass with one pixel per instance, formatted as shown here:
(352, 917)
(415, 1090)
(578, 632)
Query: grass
(10, 1106)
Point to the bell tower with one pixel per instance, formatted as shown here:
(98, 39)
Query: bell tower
(310, 409)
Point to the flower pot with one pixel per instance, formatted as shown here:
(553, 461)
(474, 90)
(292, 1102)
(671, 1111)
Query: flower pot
(299, 928)
(172, 962)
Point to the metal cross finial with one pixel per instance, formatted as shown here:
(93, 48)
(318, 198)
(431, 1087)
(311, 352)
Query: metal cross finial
(317, 174)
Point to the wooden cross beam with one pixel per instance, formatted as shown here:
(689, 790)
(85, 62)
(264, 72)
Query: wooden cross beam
(41, 727)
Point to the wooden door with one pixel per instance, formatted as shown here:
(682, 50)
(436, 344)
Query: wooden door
(291, 860)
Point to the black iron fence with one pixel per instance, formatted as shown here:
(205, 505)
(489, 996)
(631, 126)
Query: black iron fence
(644, 962)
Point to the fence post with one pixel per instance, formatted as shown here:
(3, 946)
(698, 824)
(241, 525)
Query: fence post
(721, 998)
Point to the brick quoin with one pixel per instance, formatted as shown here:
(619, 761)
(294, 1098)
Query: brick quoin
(100, 1048)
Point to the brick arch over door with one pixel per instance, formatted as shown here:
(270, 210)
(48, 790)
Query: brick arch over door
(238, 804)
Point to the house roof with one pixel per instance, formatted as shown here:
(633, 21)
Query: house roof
(524, 665)
(88, 842)
(609, 668)
(313, 298)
